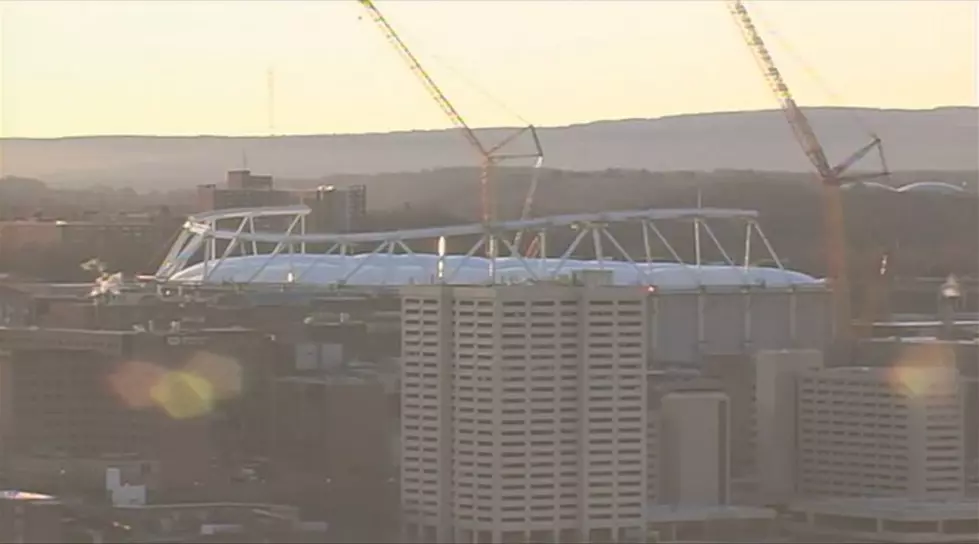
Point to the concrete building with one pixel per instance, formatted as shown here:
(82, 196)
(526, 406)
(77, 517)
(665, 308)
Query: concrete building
(659, 384)
(695, 446)
(692, 326)
(776, 420)
(535, 397)
(877, 432)
(736, 375)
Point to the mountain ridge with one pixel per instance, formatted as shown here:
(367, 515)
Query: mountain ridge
(943, 138)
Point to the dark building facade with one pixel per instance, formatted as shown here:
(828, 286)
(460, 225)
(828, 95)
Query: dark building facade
(334, 209)
(178, 401)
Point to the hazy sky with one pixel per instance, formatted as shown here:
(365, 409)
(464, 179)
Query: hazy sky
(201, 67)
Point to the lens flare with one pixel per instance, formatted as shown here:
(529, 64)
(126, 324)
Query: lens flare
(921, 368)
(183, 395)
(188, 392)
(132, 383)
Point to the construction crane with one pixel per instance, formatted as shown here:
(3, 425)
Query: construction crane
(490, 155)
(831, 177)
(528, 203)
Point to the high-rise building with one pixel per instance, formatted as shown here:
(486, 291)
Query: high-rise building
(523, 413)
(880, 432)
(695, 446)
(776, 421)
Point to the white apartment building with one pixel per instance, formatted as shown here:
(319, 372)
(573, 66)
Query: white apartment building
(695, 449)
(881, 432)
(523, 413)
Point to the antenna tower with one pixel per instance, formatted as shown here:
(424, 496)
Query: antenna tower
(270, 106)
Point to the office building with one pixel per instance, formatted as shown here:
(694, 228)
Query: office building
(776, 421)
(695, 446)
(879, 432)
(535, 397)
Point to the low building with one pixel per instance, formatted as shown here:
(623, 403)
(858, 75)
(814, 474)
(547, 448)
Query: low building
(29, 518)
(718, 523)
(886, 520)
(879, 432)
(695, 449)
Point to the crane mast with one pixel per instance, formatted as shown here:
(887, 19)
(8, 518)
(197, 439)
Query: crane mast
(831, 177)
(490, 156)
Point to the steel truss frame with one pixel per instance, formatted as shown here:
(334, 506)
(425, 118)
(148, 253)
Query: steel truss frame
(203, 232)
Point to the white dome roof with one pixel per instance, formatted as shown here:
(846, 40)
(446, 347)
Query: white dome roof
(872, 185)
(931, 187)
(421, 268)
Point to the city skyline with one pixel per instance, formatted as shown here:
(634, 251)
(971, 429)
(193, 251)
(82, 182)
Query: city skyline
(165, 68)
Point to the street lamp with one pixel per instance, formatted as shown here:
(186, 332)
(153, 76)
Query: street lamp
(951, 290)
(949, 295)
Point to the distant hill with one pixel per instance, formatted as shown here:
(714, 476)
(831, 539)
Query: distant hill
(939, 140)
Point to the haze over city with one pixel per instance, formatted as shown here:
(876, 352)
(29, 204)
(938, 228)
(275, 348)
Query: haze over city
(508, 272)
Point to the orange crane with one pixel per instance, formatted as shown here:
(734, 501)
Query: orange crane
(831, 177)
(490, 156)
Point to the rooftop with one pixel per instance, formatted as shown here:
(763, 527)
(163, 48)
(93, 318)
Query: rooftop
(894, 508)
(14, 495)
(663, 513)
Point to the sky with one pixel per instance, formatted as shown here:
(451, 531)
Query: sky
(253, 67)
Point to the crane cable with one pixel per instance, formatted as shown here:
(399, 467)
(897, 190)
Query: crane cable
(473, 85)
(758, 15)
(417, 45)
